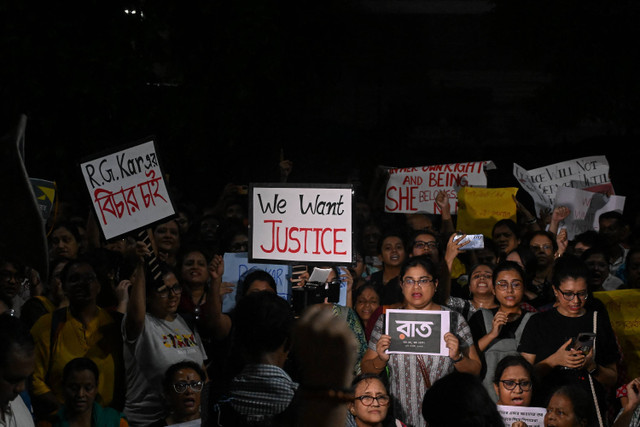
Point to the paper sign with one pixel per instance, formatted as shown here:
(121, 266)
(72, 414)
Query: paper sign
(480, 208)
(127, 189)
(543, 183)
(236, 266)
(531, 416)
(585, 208)
(417, 331)
(301, 224)
(415, 189)
(624, 312)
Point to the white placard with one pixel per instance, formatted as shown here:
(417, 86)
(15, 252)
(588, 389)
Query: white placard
(532, 416)
(301, 224)
(127, 189)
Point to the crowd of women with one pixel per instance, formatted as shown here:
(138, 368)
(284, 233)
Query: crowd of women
(133, 331)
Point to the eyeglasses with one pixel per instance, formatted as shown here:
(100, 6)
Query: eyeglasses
(503, 285)
(383, 400)
(541, 247)
(82, 278)
(568, 296)
(423, 281)
(511, 385)
(478, 276)
(419, 244)
(181, 387)
(163, 292)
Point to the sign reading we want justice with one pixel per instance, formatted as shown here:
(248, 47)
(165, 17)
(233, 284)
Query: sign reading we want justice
(127, 189)
(311, 224)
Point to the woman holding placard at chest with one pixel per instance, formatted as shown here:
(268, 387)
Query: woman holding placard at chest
(410, 375)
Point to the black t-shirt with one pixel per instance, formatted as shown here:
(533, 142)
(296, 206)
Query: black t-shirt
(478, 329)
(390, 292)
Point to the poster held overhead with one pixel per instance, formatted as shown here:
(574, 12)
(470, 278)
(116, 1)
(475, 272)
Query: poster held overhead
(127, 188)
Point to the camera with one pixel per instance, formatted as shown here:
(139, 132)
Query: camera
(314, 293)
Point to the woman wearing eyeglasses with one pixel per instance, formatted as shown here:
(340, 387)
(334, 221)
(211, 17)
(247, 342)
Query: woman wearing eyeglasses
(155, 337)
(497, 331)
(182, 385)
(548, 339)
(370, 407)
(411, 375)
(513, 381)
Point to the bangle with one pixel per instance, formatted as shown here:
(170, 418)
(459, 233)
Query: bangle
(593, 371)
(458, 359)
(531, 221)
(341, 395)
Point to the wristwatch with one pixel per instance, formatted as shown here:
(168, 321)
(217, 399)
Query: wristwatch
(459, 358)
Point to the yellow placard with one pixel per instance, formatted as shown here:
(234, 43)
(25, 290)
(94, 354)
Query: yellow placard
(624, 311)
(480, 208)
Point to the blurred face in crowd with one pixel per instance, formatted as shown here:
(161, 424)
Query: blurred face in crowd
(9, 279)
(571, 296)
(579, 248)
(80, 391)
(367, 302)
(542, 246)
(239, 243)
(509, 289)
(17, 369)
(514, 388)
(633, 270)
(184, 396)
(64, 244)
(371, 404)
(81, 285)
(392, 251)
(560, 413)
(426, 244)
(611, 230)
(418, 288)
(419, 222)
(505, 239)
(598, 267)
(167, 236)
(259, 285)
(194, 269)
(370, 236)
(480, 280)
(209, 229)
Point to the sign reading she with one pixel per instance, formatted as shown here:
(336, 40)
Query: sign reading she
(543, 183)
(127, 189)
(415, 189)
(417, 331)
(301, 224)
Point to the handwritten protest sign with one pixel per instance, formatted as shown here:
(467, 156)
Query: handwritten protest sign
(543, 183)
(127, 189)
(415, 189)
(417, 331)
(237, 265)
(585, 208)
(624, 312)
(310, 224)
(531, 416)
(480, 208)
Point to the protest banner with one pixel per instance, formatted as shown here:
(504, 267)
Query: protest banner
(623, 306)
(585, 208)
(127, 188)
(480, 208)
(411, 190)
(417, 331)
(237, 265)
(531, 416)
(309, 224)
(543, 183)
(45, 192)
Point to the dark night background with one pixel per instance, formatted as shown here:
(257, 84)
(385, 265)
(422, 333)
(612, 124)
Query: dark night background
(337, 85)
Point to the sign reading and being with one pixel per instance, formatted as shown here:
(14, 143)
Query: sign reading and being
(312, 224)
(127, 189)
(417, 331)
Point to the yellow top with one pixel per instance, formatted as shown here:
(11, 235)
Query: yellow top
(99, 341)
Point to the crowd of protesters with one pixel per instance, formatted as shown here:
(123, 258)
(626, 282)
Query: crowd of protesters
(132, 331)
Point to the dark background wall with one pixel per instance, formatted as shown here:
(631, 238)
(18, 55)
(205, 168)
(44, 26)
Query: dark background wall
(337, 86)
